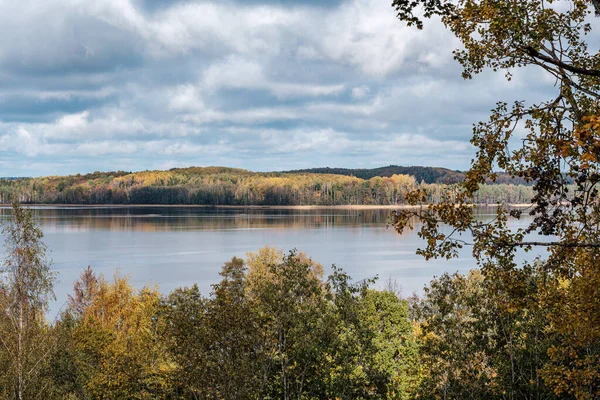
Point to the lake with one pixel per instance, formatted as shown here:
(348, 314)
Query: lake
(179, 246)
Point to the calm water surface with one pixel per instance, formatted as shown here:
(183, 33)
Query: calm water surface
(175, 247)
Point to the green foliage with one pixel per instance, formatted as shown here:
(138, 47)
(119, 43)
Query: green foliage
(479, 340)
(375, 355)
(274, 330)
(234, 343)
(185, 334)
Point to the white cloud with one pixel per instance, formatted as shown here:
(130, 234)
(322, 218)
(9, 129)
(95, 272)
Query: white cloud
(74, 121)
(235, 72)
(319, 140)
(360, 92)
(239, 73)
(366, 34)
(110, 84)
(186, 98)
(24, 142)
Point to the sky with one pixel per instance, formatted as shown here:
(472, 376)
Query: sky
(262, 85)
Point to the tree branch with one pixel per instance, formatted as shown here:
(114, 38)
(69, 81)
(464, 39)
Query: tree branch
(576, 70)
(570, 245)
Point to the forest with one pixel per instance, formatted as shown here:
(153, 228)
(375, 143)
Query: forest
(275, 327)
(421, 174)
(228, 186)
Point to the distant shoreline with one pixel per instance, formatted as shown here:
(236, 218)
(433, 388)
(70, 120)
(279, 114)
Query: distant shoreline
(256, 207)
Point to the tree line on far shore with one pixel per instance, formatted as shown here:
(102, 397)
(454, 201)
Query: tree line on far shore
(226, 186)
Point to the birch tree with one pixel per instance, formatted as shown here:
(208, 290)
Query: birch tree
(26, 288)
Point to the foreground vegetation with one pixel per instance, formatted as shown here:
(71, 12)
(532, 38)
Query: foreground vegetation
(551, 143)
(227, 186)
(274, 327)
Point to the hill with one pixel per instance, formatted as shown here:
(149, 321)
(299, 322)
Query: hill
(421, 174)
(230, 186)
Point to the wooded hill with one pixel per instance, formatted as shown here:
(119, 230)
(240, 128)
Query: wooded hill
(230, 186)
(421, 174)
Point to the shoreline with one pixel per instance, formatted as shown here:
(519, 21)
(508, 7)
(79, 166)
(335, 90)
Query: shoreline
(255, 207)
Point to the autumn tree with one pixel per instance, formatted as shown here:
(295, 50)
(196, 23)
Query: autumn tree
(561, 133)
(110, 338)
(477, 341)
(573, 307)
(560, 145)
(26, 287)
(65, 362)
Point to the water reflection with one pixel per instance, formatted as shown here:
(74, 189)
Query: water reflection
(179, 246)
(153, 219)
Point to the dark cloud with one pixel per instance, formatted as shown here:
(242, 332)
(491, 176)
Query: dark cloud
(17, 109)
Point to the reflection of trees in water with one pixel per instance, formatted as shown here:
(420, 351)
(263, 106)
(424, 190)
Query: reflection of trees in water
(151, 219)
(181, 218)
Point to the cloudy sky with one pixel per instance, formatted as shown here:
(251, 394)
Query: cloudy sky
(256, 84)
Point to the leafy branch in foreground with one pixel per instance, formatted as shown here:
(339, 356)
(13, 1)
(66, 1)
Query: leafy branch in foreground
(549, 144)
(558, 140)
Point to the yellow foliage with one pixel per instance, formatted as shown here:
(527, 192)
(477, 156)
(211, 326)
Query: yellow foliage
(258, 265)
(118, 343)
(575, 317)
